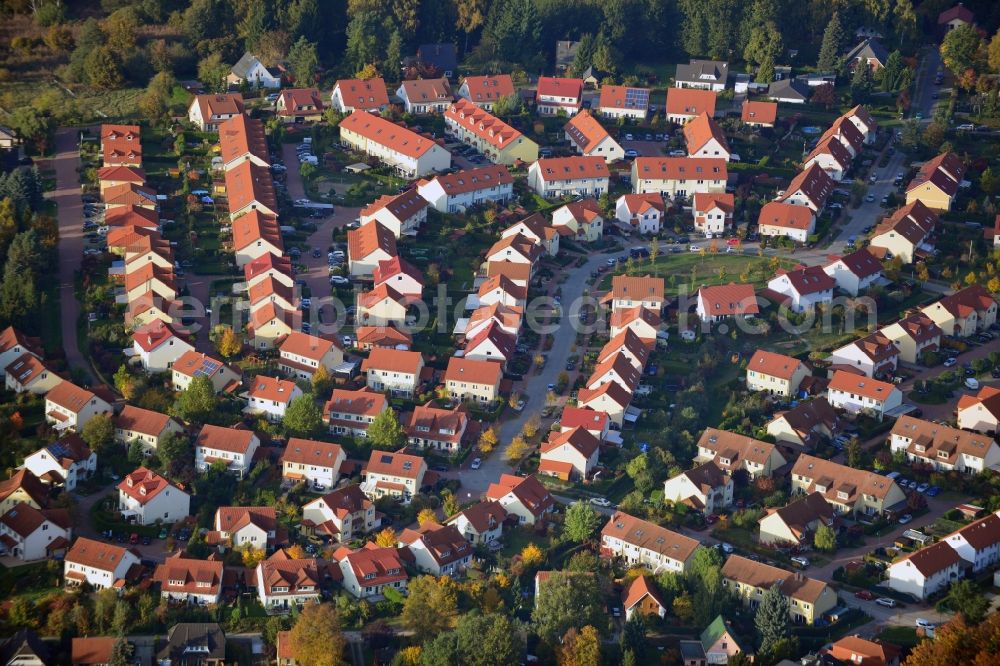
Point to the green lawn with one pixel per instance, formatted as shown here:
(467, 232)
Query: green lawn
(905, 637)
(690, 268)
(33, 581)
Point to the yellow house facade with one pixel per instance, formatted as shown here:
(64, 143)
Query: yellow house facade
(808, 598)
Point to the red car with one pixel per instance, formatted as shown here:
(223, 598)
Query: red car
(134, 539)
(864, 594)
(733, 241)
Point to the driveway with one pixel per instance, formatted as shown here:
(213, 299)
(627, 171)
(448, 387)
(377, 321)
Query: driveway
(71, 242)
(156, 550)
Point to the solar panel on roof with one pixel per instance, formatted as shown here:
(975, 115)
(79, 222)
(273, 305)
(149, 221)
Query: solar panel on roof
(386, 459)
(636, 98)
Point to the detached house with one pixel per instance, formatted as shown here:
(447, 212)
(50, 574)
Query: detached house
(943, 448)
(965, 312)
(68, 461)
(350, 95)
(315, 463)
(846, 489)
(251, 70)
(558, 94)
(796, 523)
(438, 429)
(803, 288)
(913, 335)
(643, 543)
(641, 212)
(349, 413)
(395, 371)
(874, 355)
(582, 220)
(978, 543)
(102, 565)
(905, 234)
(679, 177)
(67, 406)
(456, 192)
(296, 105)
(150, 498)
(23, 487)
(641, 596)
(775, 373)
(702, 74)
(588, 137)
(270, 397)
(805, 424)
(396, 475)
(704, 138)
(29, 374)
(936, 183)
(759, 114)
(240, 527)
(192, 364)
(158, 346)
(422, 96)
(857, 650)
(232, 447)
(730, 451)
(721, 302)
(208, 112)
(485, 91)
(480, 523)
(473, 380)
(342, 515)
(301, 354)
(370, 570)
(704, 488)
(623, 102)
(367, 246)
(412, 155)
(557, 177)
(808, 599)
(855, 393)
(29, 534)
(685, 104)
(980, 412)
(869, 53)
(283, 582)
(855, 272)
(149, 428)
(522, 496)
(570, 454)
(439, 550)
(713, 212)
(925, 572)
(403, 214)
(189, 580)
(787, 220)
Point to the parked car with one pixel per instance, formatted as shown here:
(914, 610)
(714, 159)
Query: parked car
(886, 601)
(948, 362)
(905, 518)
(600, 501)
(865, 595)
(923, 488)
(933, 491)
(476, 463)
(801, 562)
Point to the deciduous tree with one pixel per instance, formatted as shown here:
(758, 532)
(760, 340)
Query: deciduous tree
(317, 637)
(580, 648)
(99, 432)
(196, 402)
(567, 600)
(385, 431)
(960, 49)
(431, 606)
(825, 539)
(303, 416)
(581, 521)
(427, 515)
(386, 538)
(488, 640)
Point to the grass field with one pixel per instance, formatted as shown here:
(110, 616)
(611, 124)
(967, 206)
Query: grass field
(689, 268)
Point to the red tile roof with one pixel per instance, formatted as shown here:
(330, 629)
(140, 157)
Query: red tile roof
(397, 360)
(396, 464)
(765, 113)
(554, 169)
(701, 130)
(425, 91)
(95, 554)
(774, 365)
(639, 589)
(473, 371)
(618, 97)
(490, 129)
(144, 484)
(813, 182)
(363, 94)
(397, 138)
(859, 385)
(369, 238)
(247, 184)
(471, 180)
(945, 171)
(585, 131)
(785, 216)
(729, 299)
(681, 168)
(242, 135)
(219, 105)
(528, 489)
(145, 421)
(402, 206)
(232, 440)
(488, 89)
(690, 102)
(559, 87)
(272, 389)
(300, 102)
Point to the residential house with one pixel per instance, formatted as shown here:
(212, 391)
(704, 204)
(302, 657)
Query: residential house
(296, 105)
(24, 487)
(678, 177)
(944, 448)
(343, 515)
(642, 543)
(810, 187)
(704, 488)
(492, 343)
(14, 344)
(580, 220)
(157, 346)
(641, 212)
(67, 460)
(149, 428)
(67, 406)
(980, 412)
(702, 74)
(557, 177)
(720, 302)
(855, 272)
(775, 373)
(913, 336)
(905, 233)
(936, 183)
(629, 346)
(642, 597)
(925, 572)
(796, 523)
(956, 17)
(874, 355)
(367, 246)
(808, 599)
(438, 550)
(301, 355)
(507, 317)
(623, 102)
(270, 397)
(570, 454)
(863, 120)
(232, 447)
(208, 112)
(250, 188)
(250, 70)
(8, 138)
(239, 527)
(350, 95)
(190, 580)
(102, 565)
(847, 133)
(857, 650)
(803, 288)
(858, 393)
(149, 498)
(759, 114)
(869, 53)
(349, 413)
(485, 91)
(631, 291)
(115, 175)
(978, 543)
(204, 639)
(256, 235)
(730, 451)
(283, 582)
(29, 534)
(588, 137)
(522, 496)
(442, 59)
(438, 429)
(498, 141)
(396, 371)
(121, 145)
(713, 212)
(315, 463)
(556, 94)
(704, 138)
(29, 374)
(717, 644)
(369, 571)
(402, 213)
(192, 364)
(965, 312)
(538, 231)
(457, 192)
(516, 248)
(806, 424)
(410, 154)
(610, 397)
(390, 337)
(596, 423)
(618, 368)
(93, 651)
(831, 156)
(422, 96)
(481, 523)
(501, 290)
(847, 490)
(396, 475)
(130, 194)
(685, 104)
(786, 220)
(473, 380)
(242, 139)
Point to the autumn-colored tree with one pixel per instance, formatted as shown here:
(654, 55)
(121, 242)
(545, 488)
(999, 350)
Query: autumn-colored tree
(487, 441)
(431, 606)
(386, 538)
(229, 344)
(426, 515)
(252, 556)
(580, 648)
(532, 556)
(296, 552)
(369, 71)
(971, 278)
(124, 382)
(531, 426)
(994, 285)
(449, 503)
(322, 381)
(517, 449)
(959, 642)
(513, 399)
(683, 608)
(409, 656)
(922, 273)
(317, 637)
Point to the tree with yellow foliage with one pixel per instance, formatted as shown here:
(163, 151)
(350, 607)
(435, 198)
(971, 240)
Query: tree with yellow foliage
(531, 426)
(517, 449)
(229, 343)
(449, 503)
(317, 637)
(322, 381)
(252, 556)
(994, 285)
(409, 656)
(431, 606)
(369, 71)
(532, 556)
(296, 552)
(488, 441)
(386, 538)
(427, 515)
(580, 648)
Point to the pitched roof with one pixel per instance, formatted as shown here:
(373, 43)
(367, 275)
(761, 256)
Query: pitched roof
(488, 89)
(442, 56)
(729, 299)
(637, 288)
(10, 337)
(145, 421)
(833, 147)
(861, 263)
(470, 180)
(553, 86)
(849, 382)
(272, 389)
(959, 11)
(369, 238)
(131, 194)
(308, 346)
(799, 514)
(690, 101)
(246, 62)
(625, 340)
(518, 242)
(869, 48)
(362, 402)
(144, 484)
(26, 368)
(382, 336)
(620, 367)
(809, 414)
(219, 104)
(473, 371)
(95, 554)
(242, 135)
(438, 424)
(93, 650)
(980, 534)
(639, 589)
(624, 97)
(187, 575)
(393, 359)
(637, 204)
(582, 417)
(914, 222)
(813, 182)
(497, 336)
(701, 130)
(552, 169)
(377, 129)
(23, 519)
(427, 90)
(503, 283)
(578, 438)
(68, 395)
(300, 102)
(774, 364)
(809, 280)
(585, 131)
(311, 452)
(27, 482)
(706, 201)
(760, 575)
(345, 500)
(121, 172)
(920, 328)
(613, 390)
(644, 534)
(444, 543)
(137, 216)
(765, 113)
(864, 652)
(272, 312)
(967, 300)
(224, 439)
(940, 442)
(363, 94)
(988, 397)
(69, 450)
(932, 559)
(248, 183)
(388, 463)
(680, 168)
(235, 518)
(527, 489)
(847, 132)
(703, 71)
(483, 516)
(403, 206)
(196, 364)
(736, 446)
(861, 113)
(382, 564)
(836, 477)
(944, 171)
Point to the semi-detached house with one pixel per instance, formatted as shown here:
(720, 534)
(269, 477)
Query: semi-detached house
(643, 543)
(250, 187)
(847, 490)
(905, 233)
(775, 373)
(232, 447)
(189, 580)
(315, 463)
(135, 424)
(456, 192)
(367, 246)
(403, 213)
(349, 413)
(732, 451)
(439, 550)
(803, 288)
(942, 447)
(810, 187)
(240, 527)
(808, 599)
(283, 582)
(410, 154)
(978, 543)
(473, 380)
(193, 364)
(256, 235)
(158, 346)
(857, 393)
(396, 475)
(394, 371)
(569, 454)
(927, 571)
(854, 272)
(422, 96)
(438, 429)
(242, 139)
(980, 412)
(485, 91)
(301, 354)
(102, 565)
(874, 355)
(913, 336)
(556, 177)
(480, 523)
(678, 177)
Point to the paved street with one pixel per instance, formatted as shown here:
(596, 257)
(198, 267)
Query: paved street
(71, 242)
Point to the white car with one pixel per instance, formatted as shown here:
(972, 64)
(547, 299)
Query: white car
(476, 463)
(348, 341)
(600, 501)
(339, 280)
(886, 601)
(948, 362)
(302, 202)
(695, 248)
(803, 562)
(925, 624)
